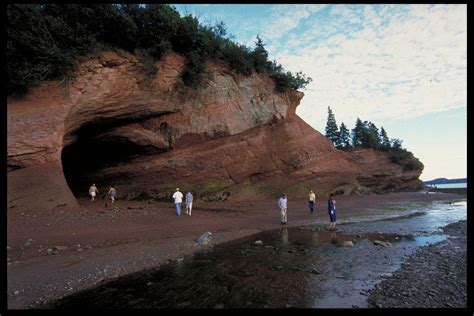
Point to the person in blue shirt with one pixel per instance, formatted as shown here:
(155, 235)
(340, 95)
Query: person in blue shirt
(283, 204)
(189, 203)
(332, 212)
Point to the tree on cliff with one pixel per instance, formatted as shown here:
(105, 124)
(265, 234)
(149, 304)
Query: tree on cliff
(403, 157)
(396, 143)
(332, 131)
(358, 133)
(344, 141)
(384, 140)
(371, 135)
(260, 57)
(46, 41)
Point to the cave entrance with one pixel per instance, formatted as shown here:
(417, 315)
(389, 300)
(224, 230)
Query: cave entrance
(93, 148)
(84, 159)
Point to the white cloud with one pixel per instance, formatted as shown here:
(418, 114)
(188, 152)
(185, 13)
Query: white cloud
(284, 18)
(413, 65)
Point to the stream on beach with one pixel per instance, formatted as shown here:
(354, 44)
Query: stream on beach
(299, 267)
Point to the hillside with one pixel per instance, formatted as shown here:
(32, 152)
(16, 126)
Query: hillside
(236, 138)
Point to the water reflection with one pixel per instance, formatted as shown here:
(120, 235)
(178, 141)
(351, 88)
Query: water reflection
(293, 267)
(284, 236)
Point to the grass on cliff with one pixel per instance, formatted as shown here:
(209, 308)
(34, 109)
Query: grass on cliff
(46, 41)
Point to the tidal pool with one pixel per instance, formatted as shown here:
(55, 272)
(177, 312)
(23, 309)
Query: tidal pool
(298, 267)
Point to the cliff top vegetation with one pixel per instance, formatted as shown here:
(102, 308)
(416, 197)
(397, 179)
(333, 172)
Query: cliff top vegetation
(46, 41)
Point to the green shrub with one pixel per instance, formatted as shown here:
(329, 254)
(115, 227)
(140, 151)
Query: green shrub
(405, 158)
(147, 63)
(45, 41)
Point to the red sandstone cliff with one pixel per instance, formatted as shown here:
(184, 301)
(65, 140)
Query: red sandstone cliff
(234, 138)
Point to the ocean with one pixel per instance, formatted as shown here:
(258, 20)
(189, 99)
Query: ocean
(449, 185)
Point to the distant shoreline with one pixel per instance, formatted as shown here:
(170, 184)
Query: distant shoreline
(445, 181)
(462, 191)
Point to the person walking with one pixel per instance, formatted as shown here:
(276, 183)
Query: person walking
(332, 212)
(283, 204)
(311, 201)
(189, 203)
(112, 193)
(93, 192)
(178, 199)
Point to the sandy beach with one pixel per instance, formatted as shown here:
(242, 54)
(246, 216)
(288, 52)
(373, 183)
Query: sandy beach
(52, 254)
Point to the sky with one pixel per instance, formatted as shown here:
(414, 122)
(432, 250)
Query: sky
(400, 66)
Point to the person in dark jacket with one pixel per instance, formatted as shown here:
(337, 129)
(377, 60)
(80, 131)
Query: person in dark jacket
(332, 212)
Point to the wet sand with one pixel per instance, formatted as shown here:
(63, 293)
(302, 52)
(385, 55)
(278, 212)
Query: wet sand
(56, 253)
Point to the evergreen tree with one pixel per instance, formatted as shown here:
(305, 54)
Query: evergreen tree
(331, 128)
(372, 136)
(358, 133)
(260, 56)
(344, 137)
(396, 143)
(384, 140)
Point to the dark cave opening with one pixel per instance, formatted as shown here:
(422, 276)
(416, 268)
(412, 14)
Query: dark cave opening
(97, 144)
(84, 159)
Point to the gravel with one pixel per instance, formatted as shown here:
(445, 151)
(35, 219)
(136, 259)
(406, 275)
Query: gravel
(433, 277)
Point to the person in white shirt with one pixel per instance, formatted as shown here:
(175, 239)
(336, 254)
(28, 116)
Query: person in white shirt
(178, 199)
(283, 203)
(311, 201)
(93, 191)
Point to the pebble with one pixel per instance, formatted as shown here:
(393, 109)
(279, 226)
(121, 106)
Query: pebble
(425, 282)
(258, 242)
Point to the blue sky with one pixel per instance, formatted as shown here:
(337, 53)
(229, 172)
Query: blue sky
(403, 67)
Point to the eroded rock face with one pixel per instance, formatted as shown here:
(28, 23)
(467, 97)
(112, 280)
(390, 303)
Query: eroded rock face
(234, 138)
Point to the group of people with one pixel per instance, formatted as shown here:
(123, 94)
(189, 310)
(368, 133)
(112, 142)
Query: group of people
(178, 199)
(93, 192)
(177, 196)
(283, 204)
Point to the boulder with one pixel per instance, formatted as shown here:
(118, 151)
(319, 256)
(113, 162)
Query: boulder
(204, 239)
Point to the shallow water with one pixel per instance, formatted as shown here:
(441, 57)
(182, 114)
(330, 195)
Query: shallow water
(292, 267)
